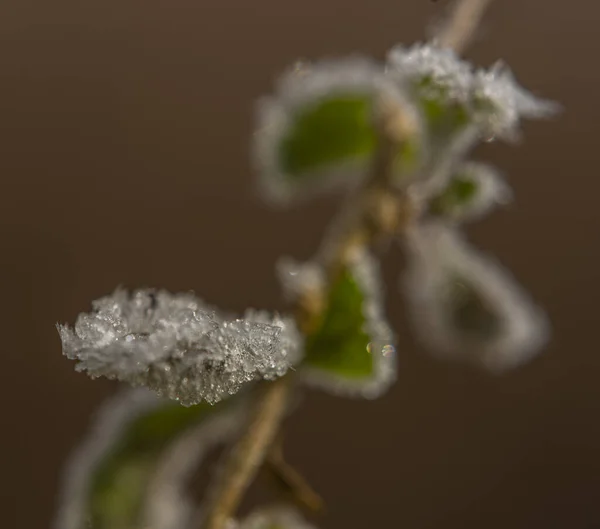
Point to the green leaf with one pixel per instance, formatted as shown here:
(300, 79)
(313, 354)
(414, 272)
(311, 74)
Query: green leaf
(329, 131)
(473, 190)
(444, 118)
(318, 131)
(110, 476)
(350, 351)
(459, 192)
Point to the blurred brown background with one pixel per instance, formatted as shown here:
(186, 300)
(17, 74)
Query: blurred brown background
(124, 160)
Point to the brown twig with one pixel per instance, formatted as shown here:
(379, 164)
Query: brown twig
(460, 27)
(292, 481)
(249, 452)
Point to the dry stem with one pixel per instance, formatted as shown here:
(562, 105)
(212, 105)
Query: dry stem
(249, 453)
(462, 24)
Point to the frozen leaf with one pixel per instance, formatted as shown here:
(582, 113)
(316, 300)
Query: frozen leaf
(131, 470)
(177, 346)
(438, 73)
(275, 518)
(318, 130)
(465, 305)
(473, 190)
(500, 102)
(351, 350)
(452, 94)
(441, 83)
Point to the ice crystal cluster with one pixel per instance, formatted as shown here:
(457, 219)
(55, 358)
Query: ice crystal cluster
(178, 346)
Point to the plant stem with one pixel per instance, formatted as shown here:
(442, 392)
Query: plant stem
(462, 24)
(250, 451)
(291, 480)
(367, 217)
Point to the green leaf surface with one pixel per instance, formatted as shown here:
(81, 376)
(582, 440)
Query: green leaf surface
(460, 192)
(350, 349)
(121, 457)
(328, 132)
(340, 344)
(444, 119)
(118, 485)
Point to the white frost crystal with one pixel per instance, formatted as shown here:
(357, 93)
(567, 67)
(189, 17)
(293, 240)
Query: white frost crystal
(464, 304)
(436, 67)
(177, 346)
(507, 101)
(275, 518)
(299, 278)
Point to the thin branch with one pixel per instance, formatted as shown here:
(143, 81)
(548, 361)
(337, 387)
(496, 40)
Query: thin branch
(249, 452)
(292, 481)
(362, 223)
(462, 24)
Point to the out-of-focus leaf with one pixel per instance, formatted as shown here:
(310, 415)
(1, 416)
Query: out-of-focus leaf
(464, 305)
(473, 190)
(330, 131)
(111, 477)
(319, 128)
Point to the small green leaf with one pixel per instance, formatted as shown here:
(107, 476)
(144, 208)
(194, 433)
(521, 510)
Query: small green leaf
(329, 131)
(350, 350)
(444, 118)
(473, 190)
(110, 476)
(318, 131)
(460, 191)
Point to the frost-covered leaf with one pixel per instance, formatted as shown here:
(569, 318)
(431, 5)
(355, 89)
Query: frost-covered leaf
(500, 102)
(131, 470)
(465, 305)
(318, 130)
(351, 350)
(275, 518)
(452, 94)
(473, 190)
(178, 346)
(441, 83)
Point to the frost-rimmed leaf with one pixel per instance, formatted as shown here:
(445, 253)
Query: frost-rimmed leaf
(453, 94)
(131, 470)
(318, 131)
(438, 73)
(441, 83)
(473, 190)
(351, 350)
(280, 517)
(500, 102)
(177, 346)
(465, 305)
